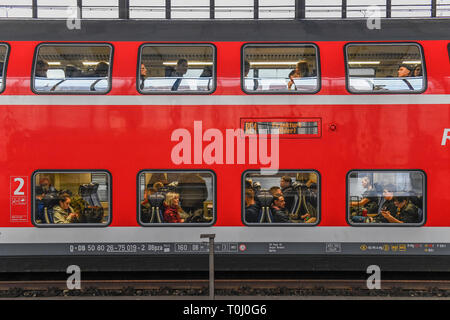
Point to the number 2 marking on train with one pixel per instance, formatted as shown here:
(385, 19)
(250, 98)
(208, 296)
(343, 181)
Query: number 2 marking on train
(17, 192)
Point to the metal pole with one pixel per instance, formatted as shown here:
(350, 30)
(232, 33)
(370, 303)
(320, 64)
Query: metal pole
(433, 8)
(344, 9)
(300, 9)
(168, 9)
(388, 8)
(256, 9)
(35, 9)
(80, 8)
(124, 9)
(212, 9)
(211, 263)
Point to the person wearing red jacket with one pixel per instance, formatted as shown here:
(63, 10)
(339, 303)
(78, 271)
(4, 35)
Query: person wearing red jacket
(172, 208)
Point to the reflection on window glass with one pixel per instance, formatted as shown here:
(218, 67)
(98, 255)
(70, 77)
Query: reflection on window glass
(72, 68)
(179, 68)
(385, 68)
(386, 197)
(62, 198)
(176, 197)
(290, 69)
(286, 197)
(3, 54)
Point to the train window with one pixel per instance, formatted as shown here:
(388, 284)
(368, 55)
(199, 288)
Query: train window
(287, 197)
(280, 68)
(386, 197)
(385, 68)
(71, 198)
(3, 56)
(176, 69)
(73, 68)
(176, 198)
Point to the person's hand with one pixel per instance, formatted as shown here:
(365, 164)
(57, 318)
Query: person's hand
(386, 214)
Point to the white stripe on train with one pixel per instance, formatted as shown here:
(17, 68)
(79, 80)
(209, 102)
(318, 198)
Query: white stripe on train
(223, 100)
(225, 234)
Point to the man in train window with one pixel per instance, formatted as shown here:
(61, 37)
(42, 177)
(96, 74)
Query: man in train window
(404, 71)
(369, 199)
(288, 192)
(180, 71)
(64, 213)
(251, 208)
(41, 69)
(407, 212)
(278, 210)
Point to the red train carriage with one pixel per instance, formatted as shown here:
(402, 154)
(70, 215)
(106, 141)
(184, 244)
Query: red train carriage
(322, 144)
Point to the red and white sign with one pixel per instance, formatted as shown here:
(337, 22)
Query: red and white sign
(18, 199)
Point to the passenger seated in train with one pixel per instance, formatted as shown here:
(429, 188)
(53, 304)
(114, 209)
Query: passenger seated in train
(288, 192)
(407, 212)
(41, 69)
(180, 71)
(246, 68)
(386, 204)
(278, 210)
(251, 208)
(44, 188)
(207, 72)
(369, 202)
(64, 213)
(275, 191)
(293, 74)
(172, 208)
(101, 70)
(72, 71)
(403, 71)
(143, 76)
(417, 71)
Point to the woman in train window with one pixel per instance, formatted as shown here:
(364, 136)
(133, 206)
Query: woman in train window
(172, 208)
(301, 71)
(64, 213)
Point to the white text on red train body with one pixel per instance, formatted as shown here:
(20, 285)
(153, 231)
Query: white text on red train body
(445, 137)
(213, 153)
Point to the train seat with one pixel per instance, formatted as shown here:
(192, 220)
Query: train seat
(156, 201)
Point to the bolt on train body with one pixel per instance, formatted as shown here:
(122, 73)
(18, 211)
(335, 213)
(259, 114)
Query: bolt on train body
(302, 145)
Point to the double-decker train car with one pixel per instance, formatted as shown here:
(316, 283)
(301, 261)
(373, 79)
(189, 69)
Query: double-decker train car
(302, 145)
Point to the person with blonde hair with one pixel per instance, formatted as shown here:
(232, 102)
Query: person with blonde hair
(172, 208)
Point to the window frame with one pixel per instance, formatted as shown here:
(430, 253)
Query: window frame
(183, 44)
(319, 200)
(424, 69)
(5, 65)
(70, 225)
(281, 45)
(402, 225)
(73, 44)
(177, 225)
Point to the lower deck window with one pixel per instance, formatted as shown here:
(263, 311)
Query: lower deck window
(386, 197)
(288, 197)
(71, 198)
(176, 197)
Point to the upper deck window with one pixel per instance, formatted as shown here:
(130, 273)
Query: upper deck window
(385, 68)
(176, 69)
(73, 68)
(3, 56)
(292, 68)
